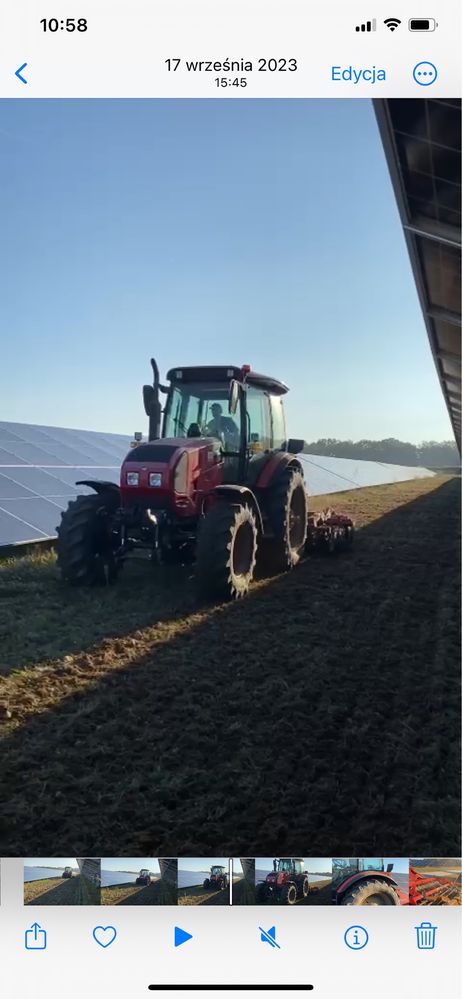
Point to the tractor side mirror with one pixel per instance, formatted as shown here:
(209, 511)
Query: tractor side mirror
(233, 398)
(390, 868)
(149, 399)
(295, 445)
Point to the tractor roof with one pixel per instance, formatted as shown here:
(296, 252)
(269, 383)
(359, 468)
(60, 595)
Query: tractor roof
(224, 373)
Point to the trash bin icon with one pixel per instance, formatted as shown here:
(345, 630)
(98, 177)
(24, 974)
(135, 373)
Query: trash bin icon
(426, 934)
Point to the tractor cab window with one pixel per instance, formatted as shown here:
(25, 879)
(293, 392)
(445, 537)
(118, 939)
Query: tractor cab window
(278, 421)
(298, 866)
(201, 411)
(258, 420)
(217, 870)
(285, 865)
(371, 864)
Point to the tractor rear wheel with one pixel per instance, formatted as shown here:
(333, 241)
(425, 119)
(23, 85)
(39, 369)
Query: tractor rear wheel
(305, 887)
(86, 542)
(289, 895)
(288, 518)
(371, 892)
(226, 551)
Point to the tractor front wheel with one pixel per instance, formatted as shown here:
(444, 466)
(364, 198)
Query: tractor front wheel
(371, 892)
(87, 540)
(288, 519)
(226, 551)
(289, 895)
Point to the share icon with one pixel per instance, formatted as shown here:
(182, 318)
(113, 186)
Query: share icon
(269, 936)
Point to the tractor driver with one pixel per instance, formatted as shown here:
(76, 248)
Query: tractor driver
(222, 426)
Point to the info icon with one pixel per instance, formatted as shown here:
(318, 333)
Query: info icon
(356, 937)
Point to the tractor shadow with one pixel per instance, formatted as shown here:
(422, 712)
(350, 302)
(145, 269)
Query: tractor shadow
(62, 620)
(65, 893)
(321, 714)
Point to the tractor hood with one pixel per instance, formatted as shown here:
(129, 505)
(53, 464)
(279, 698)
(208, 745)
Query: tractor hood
(170, 473)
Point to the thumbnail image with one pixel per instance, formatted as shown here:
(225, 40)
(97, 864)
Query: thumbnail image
(243, 876)
(203, 881)
(435, 880)
(62, 881)
(370, 881)
(138, 881)
(293, 880)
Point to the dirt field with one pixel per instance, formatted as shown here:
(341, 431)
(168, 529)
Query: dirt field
(320, 893)
(52, 891)
(154, 894)
(202, 896)
(319, 716)
(243, 892)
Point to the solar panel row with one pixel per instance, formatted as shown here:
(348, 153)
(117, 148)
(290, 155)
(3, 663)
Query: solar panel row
(38, 470)
(39, 467)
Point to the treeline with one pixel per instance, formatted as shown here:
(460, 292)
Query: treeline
(432, 454)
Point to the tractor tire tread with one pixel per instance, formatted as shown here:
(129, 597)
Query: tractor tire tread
(73, 557)
(356, 895)
(283, 556)
(213, 571)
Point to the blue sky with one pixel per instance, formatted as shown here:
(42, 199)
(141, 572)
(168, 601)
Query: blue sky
(130, 864)
(232, 231)
(201, 863)
(51, 862)
(314, 865)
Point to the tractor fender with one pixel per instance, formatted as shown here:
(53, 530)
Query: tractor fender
(241, 494)
(100, 486)
(365, 876)
(277, 463)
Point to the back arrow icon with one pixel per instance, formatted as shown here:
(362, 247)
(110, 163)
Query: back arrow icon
(19, 71)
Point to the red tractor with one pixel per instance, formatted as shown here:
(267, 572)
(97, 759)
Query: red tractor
(218, 878)
(287, 882)
(206, 486)
(144, 877)
(364, 881)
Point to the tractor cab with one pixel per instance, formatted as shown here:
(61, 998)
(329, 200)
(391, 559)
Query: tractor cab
(346, 867)
(238, 408)
(217, 870)
(288, 865)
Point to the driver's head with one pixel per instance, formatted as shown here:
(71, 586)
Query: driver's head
(217, 410)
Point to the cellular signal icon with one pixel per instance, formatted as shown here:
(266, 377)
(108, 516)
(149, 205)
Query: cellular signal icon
(392, 23)
(367, 26)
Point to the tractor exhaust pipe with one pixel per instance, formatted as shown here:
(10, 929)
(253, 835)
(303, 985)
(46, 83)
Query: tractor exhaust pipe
(152, 404)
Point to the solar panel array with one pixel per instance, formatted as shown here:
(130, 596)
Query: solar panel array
(38, 470)
(325, 475)
(39, 467)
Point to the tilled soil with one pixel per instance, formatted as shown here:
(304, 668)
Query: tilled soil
(319, 716)
(53, 891)
(202, 896)
(153, 894)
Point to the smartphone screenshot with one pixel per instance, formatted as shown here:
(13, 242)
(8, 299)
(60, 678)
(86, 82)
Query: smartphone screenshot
(230, 431)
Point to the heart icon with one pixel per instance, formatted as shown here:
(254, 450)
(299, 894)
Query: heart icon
(104, 935)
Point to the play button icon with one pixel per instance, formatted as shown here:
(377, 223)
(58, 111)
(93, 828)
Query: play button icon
(181, 936)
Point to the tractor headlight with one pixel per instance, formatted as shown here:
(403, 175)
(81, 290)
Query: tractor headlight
(155, 479)
(133, 478)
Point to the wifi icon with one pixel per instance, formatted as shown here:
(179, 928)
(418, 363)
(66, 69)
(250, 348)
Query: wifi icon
(392, 23)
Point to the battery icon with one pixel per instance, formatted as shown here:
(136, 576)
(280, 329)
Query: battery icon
(422, 24)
